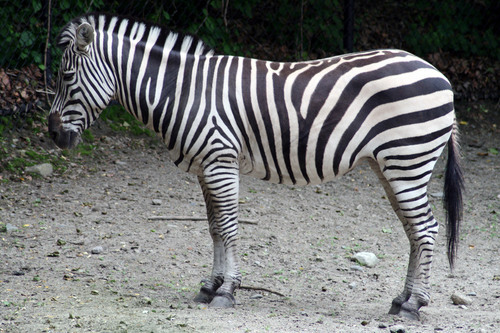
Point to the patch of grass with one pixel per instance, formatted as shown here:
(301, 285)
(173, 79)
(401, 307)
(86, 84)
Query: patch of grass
(120, 120)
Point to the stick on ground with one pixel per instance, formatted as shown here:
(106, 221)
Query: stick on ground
(193, 218)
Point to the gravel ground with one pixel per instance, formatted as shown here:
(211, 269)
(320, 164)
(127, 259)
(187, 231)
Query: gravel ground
(81, 254)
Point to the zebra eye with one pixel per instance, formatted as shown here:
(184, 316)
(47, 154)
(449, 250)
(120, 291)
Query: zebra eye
(68, 76)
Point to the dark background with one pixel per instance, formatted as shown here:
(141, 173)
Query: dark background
(459, 37)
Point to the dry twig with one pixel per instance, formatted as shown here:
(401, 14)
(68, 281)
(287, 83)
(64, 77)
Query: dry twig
(193, 218)
(262, 289)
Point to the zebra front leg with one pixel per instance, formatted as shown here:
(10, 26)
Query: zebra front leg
(220, 188)
(209, 287)
(411, 206)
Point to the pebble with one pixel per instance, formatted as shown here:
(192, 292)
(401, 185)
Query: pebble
(472, 293)
(157, 202)
(397, 329)
(367, 259)
(257, 263)
(357, 268)
(437, 194)
(382, 325)
(460, 299)
(44, 169)
(353, 285)
(10, 227)
(97, 250)
(256, 296)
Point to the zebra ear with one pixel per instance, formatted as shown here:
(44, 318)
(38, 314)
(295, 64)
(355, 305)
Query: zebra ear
(84, 36)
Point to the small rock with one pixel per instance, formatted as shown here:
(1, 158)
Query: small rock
(257, 263)
(118, 162)
(460, 299)
(353, 285)
(94, 292)
(382, 325)
(156, 202)
(44, 169)
(97, 250)
(472, 293)
(359, 207)
(367, 259)
(397, 329)
(357, 268)
(437, 194)
(9, 227)
(462, 307)
(256, 296)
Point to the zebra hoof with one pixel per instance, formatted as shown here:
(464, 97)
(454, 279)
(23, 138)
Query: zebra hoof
(413, 315)
(395, 308)
(204, 297)
(404, 311)
(224, 300)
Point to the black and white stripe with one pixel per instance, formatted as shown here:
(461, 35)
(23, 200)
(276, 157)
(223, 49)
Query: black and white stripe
(292, 123)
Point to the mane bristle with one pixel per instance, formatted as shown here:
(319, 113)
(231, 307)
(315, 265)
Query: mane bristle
(186, 43)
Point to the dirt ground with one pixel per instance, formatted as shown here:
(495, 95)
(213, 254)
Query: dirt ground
(86, 257)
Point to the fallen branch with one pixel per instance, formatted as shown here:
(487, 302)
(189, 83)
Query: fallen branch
(262, 289)
(193, 218)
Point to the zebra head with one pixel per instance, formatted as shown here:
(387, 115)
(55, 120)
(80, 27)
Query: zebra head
(84, 85)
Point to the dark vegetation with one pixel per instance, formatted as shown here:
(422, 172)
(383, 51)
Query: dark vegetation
(460, 37)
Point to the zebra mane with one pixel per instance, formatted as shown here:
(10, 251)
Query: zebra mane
(197, 46)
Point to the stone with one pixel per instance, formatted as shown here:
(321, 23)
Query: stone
(460, 299)
(10, 227)
(256, 296)
(97, 250)
(353, 285)
(157, 202)
(44, 169)
(357, 268)
(397, 329)
(367, 259)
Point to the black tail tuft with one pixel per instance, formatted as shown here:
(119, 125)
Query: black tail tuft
(453, 186)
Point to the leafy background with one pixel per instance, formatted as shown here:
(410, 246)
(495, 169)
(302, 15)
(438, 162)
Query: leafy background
(460, 37)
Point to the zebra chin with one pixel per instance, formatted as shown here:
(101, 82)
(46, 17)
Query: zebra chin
(62, 138)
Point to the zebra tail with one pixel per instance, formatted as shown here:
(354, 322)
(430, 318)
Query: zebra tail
(453, 186)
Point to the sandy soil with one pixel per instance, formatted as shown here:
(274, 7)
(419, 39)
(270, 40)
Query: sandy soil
(148, 271)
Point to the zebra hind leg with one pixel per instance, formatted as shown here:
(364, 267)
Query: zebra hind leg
(410, 203)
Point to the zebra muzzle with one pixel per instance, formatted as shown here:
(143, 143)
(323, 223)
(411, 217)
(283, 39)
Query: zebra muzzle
(62, 138)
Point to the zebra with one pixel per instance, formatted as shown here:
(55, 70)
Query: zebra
(297, 123)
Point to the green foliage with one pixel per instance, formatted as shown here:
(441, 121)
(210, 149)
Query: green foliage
(276, 30)
(457, 26)
(24, 28)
